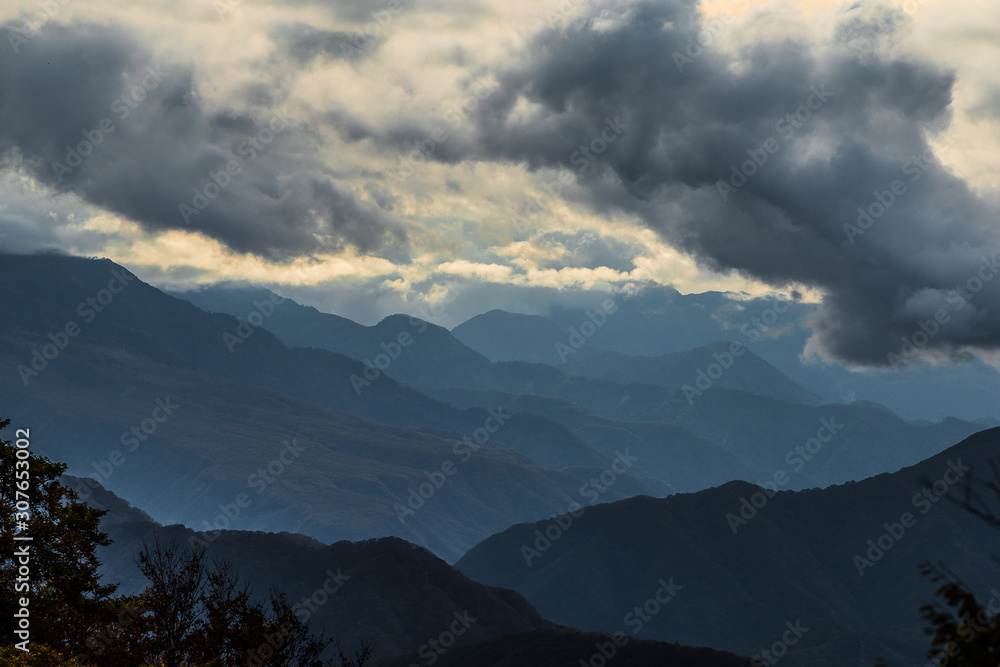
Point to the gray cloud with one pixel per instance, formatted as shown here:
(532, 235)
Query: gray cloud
(367, 11)
(690, 117)
(87, 110)
(305, 44)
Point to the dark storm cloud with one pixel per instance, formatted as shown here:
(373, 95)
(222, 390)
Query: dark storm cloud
(680, 126)
(89, 111)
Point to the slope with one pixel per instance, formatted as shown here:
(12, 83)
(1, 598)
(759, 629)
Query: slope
(843, 561)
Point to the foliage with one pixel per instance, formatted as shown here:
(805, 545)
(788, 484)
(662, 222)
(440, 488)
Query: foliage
(40, 656)
(63, 586)
(202, 615)
(963, 631)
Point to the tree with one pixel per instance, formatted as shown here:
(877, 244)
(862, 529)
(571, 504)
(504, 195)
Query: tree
(963, 631)
(68, 603)
(202, 615)
(171, 598)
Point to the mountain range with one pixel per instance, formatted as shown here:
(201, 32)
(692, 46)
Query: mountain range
(717, 486)
(409, 604)
(843, 561)
(402, 453)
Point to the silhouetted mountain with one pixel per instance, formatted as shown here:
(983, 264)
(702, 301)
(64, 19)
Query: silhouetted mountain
(394, 594)
(118, 509)
(655, 320)
(242, 403)
(503, 336)
(407, 348)
(145, 355)
(559, 648)
(298, 326)
(388, 591)
(672, 455)
(435, 358)
(841, 561)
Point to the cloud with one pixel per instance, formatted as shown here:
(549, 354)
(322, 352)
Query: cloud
(305, 44)
(326, 195)
(86, 109)
(767, 162)
(27, 225)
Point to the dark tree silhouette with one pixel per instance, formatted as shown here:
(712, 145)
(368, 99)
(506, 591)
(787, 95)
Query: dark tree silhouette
(171, 598)
(69, 605)
(962, 630)
(202, 615)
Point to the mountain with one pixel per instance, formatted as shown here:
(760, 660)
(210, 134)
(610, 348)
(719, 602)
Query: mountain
(670, 454)
(651, 321)
(742, 436)
(842, 562)
(722, 364)
(559, 648)
(657, 321)
(503, 336)
(297, 325)
(117, 509)
(393, 593)
(246, 457)
(282, 426)
(96, 362)
(406, 348)
(434, 358)
(387, 591)
(760, 423)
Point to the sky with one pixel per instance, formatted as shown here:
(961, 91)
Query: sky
(373, 157)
